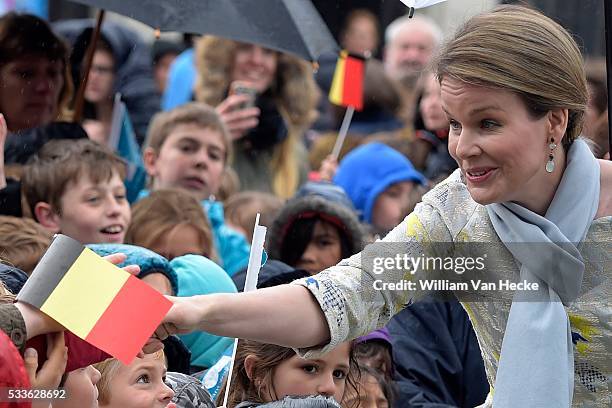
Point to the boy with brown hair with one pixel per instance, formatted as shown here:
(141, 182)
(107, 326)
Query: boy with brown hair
(76, 188)
(22, 242)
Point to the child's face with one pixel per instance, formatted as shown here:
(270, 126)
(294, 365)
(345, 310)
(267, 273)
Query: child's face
(370, 395)
(192, 158)
(390, 206)
(181, 240)
(95, 213)
(140, 385)
(325, 376)
(81, 389)
(323, 250)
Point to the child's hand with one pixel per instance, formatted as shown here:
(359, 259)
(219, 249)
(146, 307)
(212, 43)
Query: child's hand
(328, 168)
(3, 133)
(238, 121)
(50, 375)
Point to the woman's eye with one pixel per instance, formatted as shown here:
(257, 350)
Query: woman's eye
(143, 379)
(488, 124)
(310, 369)
(339, 374)
(454, 124)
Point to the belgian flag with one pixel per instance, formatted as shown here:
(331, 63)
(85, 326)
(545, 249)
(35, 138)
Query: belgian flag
(347, 85)
(94, 299)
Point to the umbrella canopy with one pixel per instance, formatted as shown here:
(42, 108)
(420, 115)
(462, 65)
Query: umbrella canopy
(292, 26)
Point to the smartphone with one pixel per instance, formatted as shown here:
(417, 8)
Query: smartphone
(241, 89)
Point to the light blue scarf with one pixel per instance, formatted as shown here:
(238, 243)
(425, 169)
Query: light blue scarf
(536, 366)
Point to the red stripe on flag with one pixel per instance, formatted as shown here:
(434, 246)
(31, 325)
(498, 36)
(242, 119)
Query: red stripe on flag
(129, 320)
(353, 83)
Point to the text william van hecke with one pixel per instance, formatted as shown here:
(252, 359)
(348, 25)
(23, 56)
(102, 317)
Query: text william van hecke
(448, 285)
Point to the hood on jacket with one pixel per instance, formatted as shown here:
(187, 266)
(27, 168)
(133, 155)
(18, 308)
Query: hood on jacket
(315, 206)
(318, 401)
(198, 275)
(369, 170)
(133, 63)
(188, 391)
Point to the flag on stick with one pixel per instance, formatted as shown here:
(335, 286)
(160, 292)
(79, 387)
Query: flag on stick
(99, 302)
(347, 84)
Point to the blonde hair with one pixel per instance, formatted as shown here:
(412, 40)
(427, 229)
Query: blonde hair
(22, 242)
(293, 89)
(194, 113)
(163, 211)
(108, 368)
(520, 50)
(241, 210)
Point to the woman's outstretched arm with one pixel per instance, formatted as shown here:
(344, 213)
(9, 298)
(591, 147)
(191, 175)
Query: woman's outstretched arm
(286, 315)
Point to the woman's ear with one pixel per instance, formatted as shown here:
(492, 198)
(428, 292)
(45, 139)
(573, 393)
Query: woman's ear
(149, 157)
(557, 124)
(44, 214)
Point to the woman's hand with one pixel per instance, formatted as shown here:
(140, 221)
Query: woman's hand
(185, 316)
(238, 121)
(3, 133)
(50, 375)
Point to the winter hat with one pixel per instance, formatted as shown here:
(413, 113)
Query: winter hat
(368, 170)
(188, 391)
(315, 206)
(198, 275)
(149, 261)
(378, 335)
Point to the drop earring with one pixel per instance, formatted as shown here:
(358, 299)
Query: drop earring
(550, 164)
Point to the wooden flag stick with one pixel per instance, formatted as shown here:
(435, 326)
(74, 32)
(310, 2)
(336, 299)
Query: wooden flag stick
(80, 96)
(346, 122)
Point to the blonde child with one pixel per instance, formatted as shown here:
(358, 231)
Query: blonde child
(140, 384)
(189, 148)
(171, 223)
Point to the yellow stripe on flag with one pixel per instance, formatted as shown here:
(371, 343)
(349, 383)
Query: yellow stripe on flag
(337, 87)
(84, 293)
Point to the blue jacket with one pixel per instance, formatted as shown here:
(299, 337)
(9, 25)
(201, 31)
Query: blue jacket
(198, 275)
(232, 247)
(369, 170)
(181, 80)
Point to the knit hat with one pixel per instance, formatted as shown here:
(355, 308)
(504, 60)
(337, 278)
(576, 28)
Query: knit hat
(315, 206)
(378, 334)
(149, 261)
(369, 170)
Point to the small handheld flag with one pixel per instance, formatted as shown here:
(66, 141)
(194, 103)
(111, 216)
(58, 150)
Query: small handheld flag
(252, 275)
(347, 84)
(99, 302)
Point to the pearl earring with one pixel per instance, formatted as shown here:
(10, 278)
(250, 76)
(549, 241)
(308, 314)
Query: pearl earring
(550, 164)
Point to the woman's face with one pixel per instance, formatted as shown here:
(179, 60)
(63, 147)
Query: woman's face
(324, 376)
(255, 66)
(323, 250)
(101, 81)
(30, 88)
(501, 150)
(431, 105)
(140, 385)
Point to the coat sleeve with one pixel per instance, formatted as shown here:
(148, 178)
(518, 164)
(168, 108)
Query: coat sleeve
(350, 297)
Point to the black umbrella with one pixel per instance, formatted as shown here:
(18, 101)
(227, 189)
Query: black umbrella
(292, 26)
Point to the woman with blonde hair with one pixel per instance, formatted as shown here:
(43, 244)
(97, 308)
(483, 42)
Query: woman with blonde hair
(267, 100)
(514, 90)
